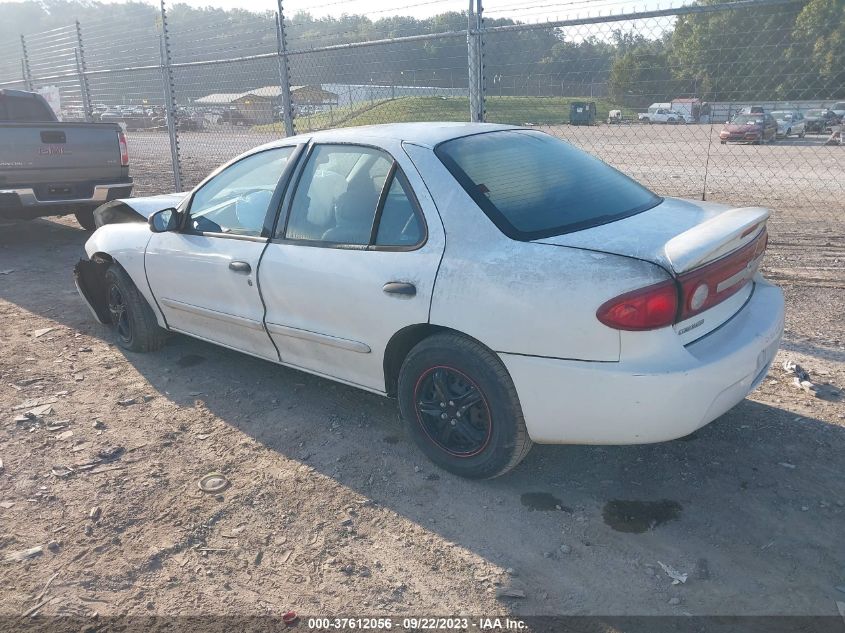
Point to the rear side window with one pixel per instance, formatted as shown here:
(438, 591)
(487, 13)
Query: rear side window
(354, 196)
(23, 109)
(532, 185)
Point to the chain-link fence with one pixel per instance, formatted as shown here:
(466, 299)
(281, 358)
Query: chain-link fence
(661, 95)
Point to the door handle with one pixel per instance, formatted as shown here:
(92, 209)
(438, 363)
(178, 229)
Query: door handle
(240, 267)
(401, 288)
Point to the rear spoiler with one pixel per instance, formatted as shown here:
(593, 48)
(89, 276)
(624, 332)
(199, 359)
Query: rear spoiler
(715, 237)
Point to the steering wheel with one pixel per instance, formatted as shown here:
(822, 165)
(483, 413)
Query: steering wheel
(251, 208)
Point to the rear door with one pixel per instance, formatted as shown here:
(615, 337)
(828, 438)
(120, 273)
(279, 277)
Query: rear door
(353, 262)
(203, 277)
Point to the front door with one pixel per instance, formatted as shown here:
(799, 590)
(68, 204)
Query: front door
(204, 277)
(354, 263)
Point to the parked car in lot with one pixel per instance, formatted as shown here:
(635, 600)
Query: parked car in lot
(505, 286)
(662, 115)
(820, 120)
(49, 167)
(838, 109)
(749, 128)
(789, 122)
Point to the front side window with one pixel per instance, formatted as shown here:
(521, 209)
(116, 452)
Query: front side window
(353, 196)
(237, 199)
(532, 185)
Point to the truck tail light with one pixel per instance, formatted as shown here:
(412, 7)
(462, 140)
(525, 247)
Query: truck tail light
(647, 308)
(124, 149)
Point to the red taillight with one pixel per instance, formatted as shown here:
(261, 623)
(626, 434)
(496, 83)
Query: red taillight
(648, 308)
(124, 149)
(704, 287)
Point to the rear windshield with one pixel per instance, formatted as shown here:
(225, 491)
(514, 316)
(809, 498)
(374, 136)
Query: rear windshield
(532, 185)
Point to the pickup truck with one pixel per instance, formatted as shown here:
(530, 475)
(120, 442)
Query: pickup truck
(53, 168)
(662, 115)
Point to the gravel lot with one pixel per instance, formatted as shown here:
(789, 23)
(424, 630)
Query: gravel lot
(332, 511)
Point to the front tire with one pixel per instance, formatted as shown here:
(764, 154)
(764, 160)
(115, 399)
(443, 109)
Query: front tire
(85, 217)
(462, 408)
(132, 318)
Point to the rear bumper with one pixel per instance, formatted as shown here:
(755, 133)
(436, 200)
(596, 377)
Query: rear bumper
(26, 202)
(653, 400)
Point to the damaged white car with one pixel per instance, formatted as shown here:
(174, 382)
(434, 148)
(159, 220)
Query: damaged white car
(505, 286)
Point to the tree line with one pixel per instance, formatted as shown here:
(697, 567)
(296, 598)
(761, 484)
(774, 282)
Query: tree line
(784, 51)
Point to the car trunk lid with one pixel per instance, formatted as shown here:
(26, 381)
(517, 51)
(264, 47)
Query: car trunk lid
(699, 244)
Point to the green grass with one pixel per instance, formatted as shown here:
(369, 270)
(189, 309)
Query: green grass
(513, 110)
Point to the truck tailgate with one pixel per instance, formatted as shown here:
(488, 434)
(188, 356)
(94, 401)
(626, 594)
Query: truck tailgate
(47, 153)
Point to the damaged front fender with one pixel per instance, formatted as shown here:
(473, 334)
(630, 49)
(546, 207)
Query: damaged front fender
(134, 209)
(90, 278)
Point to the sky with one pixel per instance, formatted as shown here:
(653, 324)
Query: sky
(521, 10)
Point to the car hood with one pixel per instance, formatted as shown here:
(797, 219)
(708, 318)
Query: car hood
(135, 209)
(149, 205)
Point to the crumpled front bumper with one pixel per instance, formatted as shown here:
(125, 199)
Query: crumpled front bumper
(89, 277)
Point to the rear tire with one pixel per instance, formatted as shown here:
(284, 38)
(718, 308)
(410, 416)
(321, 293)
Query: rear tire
(85, 217)
(132, 318)
(462, 408)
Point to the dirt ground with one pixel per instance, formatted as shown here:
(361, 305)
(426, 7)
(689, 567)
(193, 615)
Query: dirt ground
(332, 511)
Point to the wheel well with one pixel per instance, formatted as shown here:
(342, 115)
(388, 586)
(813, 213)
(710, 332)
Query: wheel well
(403, 342)
(397, 349)
(91, 277)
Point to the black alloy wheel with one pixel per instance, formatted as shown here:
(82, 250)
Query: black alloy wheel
(452, 411)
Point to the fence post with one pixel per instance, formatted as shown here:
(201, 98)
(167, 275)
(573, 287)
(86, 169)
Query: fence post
(170, 100)
(475, 61)
(27, 74)
(284, 72)
(82, 72)
(479, 34)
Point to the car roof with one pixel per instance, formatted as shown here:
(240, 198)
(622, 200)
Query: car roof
(426, 134)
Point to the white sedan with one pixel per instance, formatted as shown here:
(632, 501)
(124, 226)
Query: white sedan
(789, 122)
(505, 286)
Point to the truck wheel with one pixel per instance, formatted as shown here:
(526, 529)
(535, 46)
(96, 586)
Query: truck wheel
(462, 408)
(85, 217)
(131, 316)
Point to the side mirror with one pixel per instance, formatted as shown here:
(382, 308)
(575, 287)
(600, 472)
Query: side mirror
(164, 221)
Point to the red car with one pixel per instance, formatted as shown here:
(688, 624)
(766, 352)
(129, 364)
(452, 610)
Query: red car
(750, 128)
